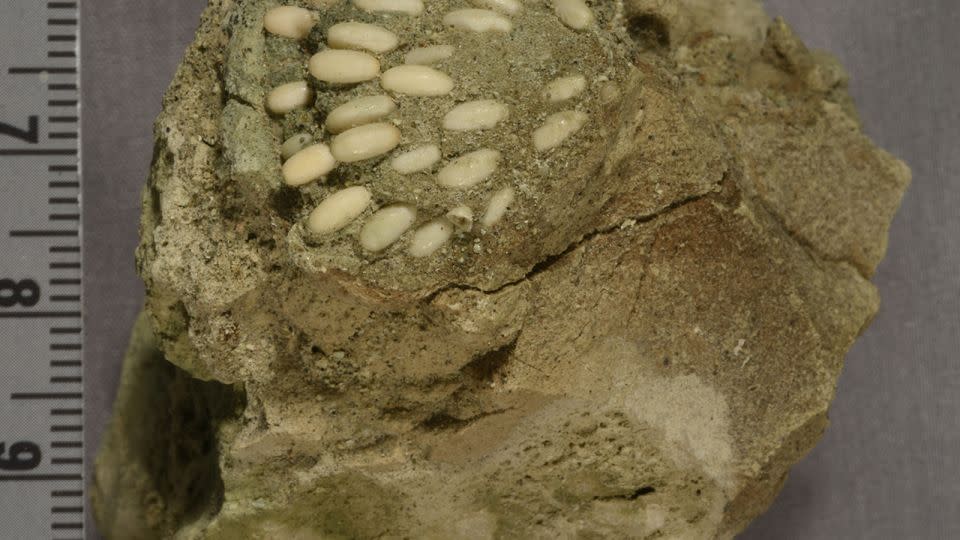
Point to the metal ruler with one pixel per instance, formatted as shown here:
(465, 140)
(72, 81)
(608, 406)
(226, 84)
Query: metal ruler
(42, 485)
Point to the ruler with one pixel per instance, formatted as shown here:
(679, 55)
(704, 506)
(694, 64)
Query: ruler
(42, 487)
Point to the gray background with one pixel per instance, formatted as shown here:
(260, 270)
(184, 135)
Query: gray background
(888, 467)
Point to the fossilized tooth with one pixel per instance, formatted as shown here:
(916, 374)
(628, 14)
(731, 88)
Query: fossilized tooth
(461, 217)
(565, 88)
(362, 36)
(574, 13)
(558, 128)
(288, 97)
(309, 164)
(506, 6)
(365, 142)
(478, 20)
(294, 144)
(429, 55)
(415, 80)
(289, 21)
(344, 66)
(418, 159)
(360, 111)
(474, 115)
(469, 169)
(497, 208)
(386, 226)
(339, 209)
(431, 237)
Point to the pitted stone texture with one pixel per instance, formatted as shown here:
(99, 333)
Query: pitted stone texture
(641, 348)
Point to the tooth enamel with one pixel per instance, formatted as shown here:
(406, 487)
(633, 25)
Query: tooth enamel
(558, 128)
(289, 21)
(339, 209)
(311, 163)
(473, 115)
(288, 97)
(344, 67)
(359, 112)
(565, 88)
(498, 206)
(295, 144)
(386, 226)
(574, 13)
(416, 160)
(362, 36)
(478, 20)
(431, 237)
(428, 56)
(469, 169)
(406, 7)
(365, 142)
(462, 218)
(416, 81)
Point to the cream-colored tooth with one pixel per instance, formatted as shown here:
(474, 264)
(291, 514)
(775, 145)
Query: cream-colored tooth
(386, 226)
(506, 6)
(338, 66)
(557, 128)
(295, 144)
(429, 55)
(416, 160)
(565, 88)
(473, 115)
(498, 206)
(462, 218)
(469, 169)
(574, 13)
(365, 142)
(406, 7)
(431, 237)
(478, 20)
(362, 36)
(288, 97)
(358, 112)
(416, 81)
(339, 209)
(289, 21)
(311, 163)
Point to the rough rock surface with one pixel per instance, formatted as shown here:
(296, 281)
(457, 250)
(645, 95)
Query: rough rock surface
(641, 348)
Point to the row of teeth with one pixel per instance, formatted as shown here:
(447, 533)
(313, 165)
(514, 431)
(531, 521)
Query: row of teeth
(361, 134)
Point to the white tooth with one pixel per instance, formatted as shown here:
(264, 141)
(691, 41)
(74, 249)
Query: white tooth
(478, 20)
(406, 7)
(344, 67)
(498, 206)
(565, 88)
(295, 144)
(339, 209)
(358, 112)
(428, 56)
(462, 218)
(473, 115)
(557, 128)
(362, 36)
(574, 13)
(289, 21)
(311, 163)
(431, 237)
(288, 97)
(506, 6)
(469, 169)
(386, 226)
(416, 160)
(416, 81)
(365, 142)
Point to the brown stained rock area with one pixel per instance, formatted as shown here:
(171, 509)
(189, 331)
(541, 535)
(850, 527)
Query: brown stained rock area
(641, 349)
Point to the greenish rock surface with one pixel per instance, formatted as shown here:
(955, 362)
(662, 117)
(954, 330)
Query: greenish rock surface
(641, 348)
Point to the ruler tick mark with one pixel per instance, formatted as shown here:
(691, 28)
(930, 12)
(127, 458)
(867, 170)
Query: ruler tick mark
(38, 70)
(66, 429)
(66, 444)
(65, 346)
(65, 363)
(66, 412)
(46, 395)
(39, 477)
(64, 265)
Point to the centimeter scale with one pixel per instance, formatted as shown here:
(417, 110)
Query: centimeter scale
(42, 483)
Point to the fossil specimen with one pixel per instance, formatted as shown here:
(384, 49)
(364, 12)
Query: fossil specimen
(491, 269)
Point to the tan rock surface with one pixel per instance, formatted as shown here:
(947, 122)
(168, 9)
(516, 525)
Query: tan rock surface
(641, 348)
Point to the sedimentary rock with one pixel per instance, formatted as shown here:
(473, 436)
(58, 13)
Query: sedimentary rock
(491, 269)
